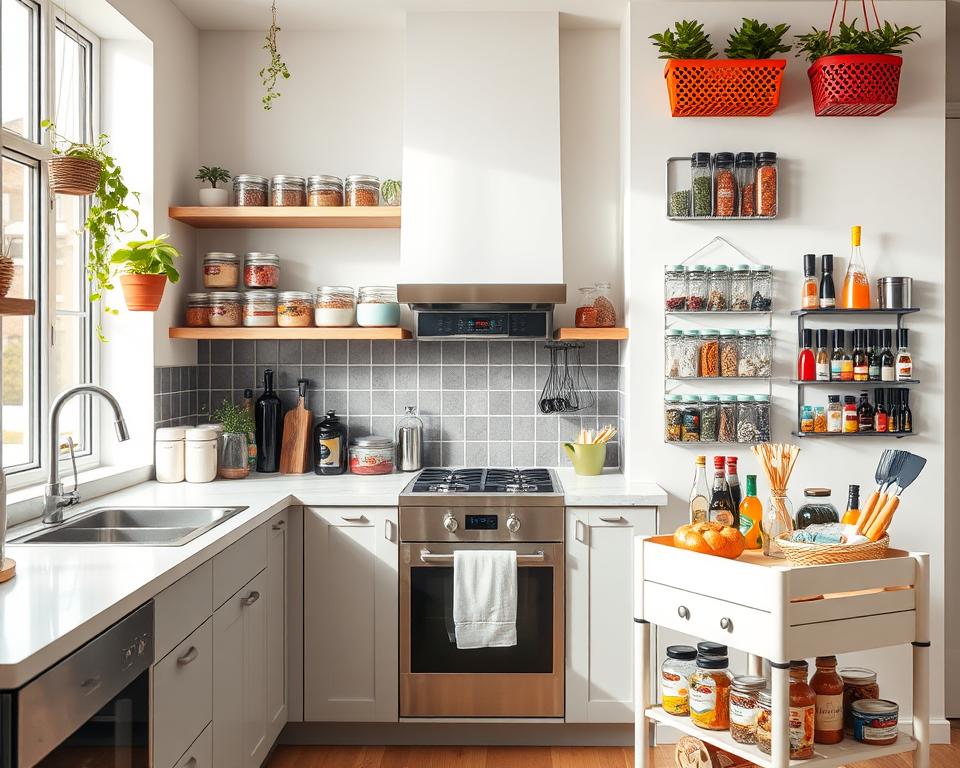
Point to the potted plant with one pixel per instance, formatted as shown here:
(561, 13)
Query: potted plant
(234, 462)
(213, 195)
(75, 168)
(747, 84)
(390, 192)
(855, 73)
(145, 266)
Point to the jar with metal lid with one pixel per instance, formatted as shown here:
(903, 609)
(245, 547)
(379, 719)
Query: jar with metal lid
(859, 683)
(169, 452)
(377, 306)
(748, 430)
(672, 418)
(334, 307)
(690, 422)
(689, 355)
(288, 190)
(709, 353)
(359, 189)
(763, 417)
(766, 183)
(701, 191)
(672, 345)
(675, 672)
(675, 288)
(260, 309)
(261, 270)
(324, 190)
(724, 185)
(727, 425)
(294, 309)
(710, 693)
(372, 455)
(250, 190)
(718, 289)
(709, 418)
(198, 310)
(741, 293)
(729, 353)
(744, 709)
(765, 721)
(697, 283)
(200, 463)
(746, 184)
(816, 508)
(226, 309)
(221, 270)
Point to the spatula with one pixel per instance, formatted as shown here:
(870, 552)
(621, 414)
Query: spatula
(882, 476)
(909, 468)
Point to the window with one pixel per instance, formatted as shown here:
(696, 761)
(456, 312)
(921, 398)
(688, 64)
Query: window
(49, 66)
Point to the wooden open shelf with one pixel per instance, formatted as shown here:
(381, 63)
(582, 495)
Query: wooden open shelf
(17, 306)
(590, 334)
(306, 217)
(354, 334)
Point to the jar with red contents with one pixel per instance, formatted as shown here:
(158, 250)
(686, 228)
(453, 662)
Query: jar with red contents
(587, 315)
(261, 270)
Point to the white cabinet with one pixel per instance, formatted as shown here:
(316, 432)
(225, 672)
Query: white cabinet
(350, 614)
(277, 601)
(600, 578)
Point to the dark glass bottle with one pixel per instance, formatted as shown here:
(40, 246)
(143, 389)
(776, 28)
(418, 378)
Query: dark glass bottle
(879, 411)
(861, 363)
(330, 446)
(888, 370)
(828, 292)
(722, 509)
(836, 359)
(893, 416)
(906, 415)
(864, 413)
(268, 418)
(733, 482)
(873, 354)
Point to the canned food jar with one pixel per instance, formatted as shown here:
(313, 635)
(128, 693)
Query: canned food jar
(359, 189)
(261, 270)
(220, 270)
(377, 307)
(765, 721)
(875, 721)
(372, 455)
(226, 309)
(260, 309)
(294, 309)
(675, 672)
(334, 307)
(744, 707)
(250, 190)
(288, 190)
(198, 310)
(324, 190)
(858, 683)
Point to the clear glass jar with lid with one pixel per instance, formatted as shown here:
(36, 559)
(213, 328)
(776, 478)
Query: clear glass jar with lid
(746, 183)
(324, 190)
(377, 306)
(672, 350)
(261, 270)
(709, 418)
(765, 720)
(763, 349)
(359, 189)
(603, 301)
(198, 310)
(675, 672)
(744, 709)
(586, 314)
(259, 309)
(288, 190)
(701, 185)
(727, 425)
(724, 185)
(763, 417)
(221, 270)
(718, 289)
(766, 183)
(748, 429)
(746, 344)
(372, 455)
(709, 353)
(675, 288)
(335, 307)
(697, 287)
(250, 190)
(672, 418)
(740, 288)
(294, 309)
(226, 309)
(690, 423)
(710, 692)
(761, 282)
(729, 353)
(689, 352)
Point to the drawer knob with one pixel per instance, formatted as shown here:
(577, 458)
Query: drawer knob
(189, 657)
(250, 599)
(725, 623)
(683, 612)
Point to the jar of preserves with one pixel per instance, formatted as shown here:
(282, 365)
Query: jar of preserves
(250, 190)
(858, 684)
(221, 270)
(729, 353)
(767, 184)
(198, 310)
(226, 309)
(675, 672)
(371, 455)
(672, 345)
(744, 709)
(710, 693)
(294, 309)
(602, 300)
(724, 185)
(377, 307)
(803, 705)
(718, 289)
(746, 184)
(675, 288)
(761, 285)
(334, 307)
(672, 418)
(690, 423)
(259, 309)
(727, 425)
(324, 190)
(828, 686)
(261, 270)
(748, 429)
(697, 285)
(765, 721)
(701, 190)
(586, 314)
(359, 189)
(709, 418)
(288, 190)
(709, 353)
(741, 294)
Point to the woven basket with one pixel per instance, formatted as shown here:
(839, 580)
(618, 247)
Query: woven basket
(723, 87)
(6, 276)
(854, 85)
(800, 553)
(74, 175)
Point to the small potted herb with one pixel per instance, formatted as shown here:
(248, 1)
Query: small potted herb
(213, 195)
(234, 447)
(390, 192)
(145, 266)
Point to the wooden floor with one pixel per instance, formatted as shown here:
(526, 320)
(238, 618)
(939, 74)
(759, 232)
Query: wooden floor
(942, 756)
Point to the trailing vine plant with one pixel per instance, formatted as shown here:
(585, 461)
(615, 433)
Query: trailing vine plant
(277, 68)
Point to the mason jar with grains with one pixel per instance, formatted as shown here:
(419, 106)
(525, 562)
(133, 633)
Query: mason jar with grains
(288, 190)
(334, 306)
(221, 270)
(226, 309)
(359, 189)
(250, 190)
(324, 190)
(294, 309)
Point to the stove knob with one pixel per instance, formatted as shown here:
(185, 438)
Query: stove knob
(513, 523)
(450, 522)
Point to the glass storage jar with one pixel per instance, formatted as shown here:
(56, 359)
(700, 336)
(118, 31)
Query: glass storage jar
(724, 185)
(334, 307)
(288, 190)
(672, 345)
(858, 683)
(675, 288)
(746, 183)
(689, 355)
(697, 285)
(767, 184)
(817, 508)
(226, 309)
(372, 455)
(728, 353)
(377, 307)
(709, 418)
(761, 280)
(198, 310)
(763, 417)
(602, 300)
(361, 190)
(744, 710)
(746, 343)
(740, 288)
(233, 463)
(294, 309)
(675, 672)
(765, 721)
(709, 353)
(586, 314)
(261, 270)
(777, 519)
(701, 191)
(250, 190)
(324, 190)
(221, 270)
(727, 423)
(718, 289)
(710, 693)
(259, 309)
(672, 418)
(748, 430)
(763, 352)
(690, 423)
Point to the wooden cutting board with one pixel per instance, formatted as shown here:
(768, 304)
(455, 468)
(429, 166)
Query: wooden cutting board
(295, 448)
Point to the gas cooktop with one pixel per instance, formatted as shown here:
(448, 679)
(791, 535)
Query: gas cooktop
(480, 480)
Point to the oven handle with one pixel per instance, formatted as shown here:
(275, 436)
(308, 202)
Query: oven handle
(426, 556)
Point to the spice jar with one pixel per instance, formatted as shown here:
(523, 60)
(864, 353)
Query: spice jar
(697, 284)
(586, 314)
(740, 288)
(606, 312)
(765, 721)
(690, 423)
(679, 204)
(709, 353)
(169, 450)
(828, 686)
(371, 455)
(324, 190)
(762, 362)
(689, 355)
(672, 345)
(198, 310)
(761, 281)
(744, 709)
(728, 352)
(746, 182)
(803, 703)
(226, 309)
(710, 693)
(377, 307)
(767, 184)
(724, 185)
(362, 190)
(701, 184)
(288, 190)
(672, 418)
(220, 270)
(763, 417)
(709, 418)
(858, 684)
(727, 425)
(250, 190)
(334, 307)
(675, 674)
(200, 461)
(748, 428)
(746, 352)
(675, 288)
(294, 309)
(259, 309)
(718, 289)
(261, 270)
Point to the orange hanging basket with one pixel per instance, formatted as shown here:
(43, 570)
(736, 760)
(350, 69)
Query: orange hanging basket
(854, 85)
(724, 87)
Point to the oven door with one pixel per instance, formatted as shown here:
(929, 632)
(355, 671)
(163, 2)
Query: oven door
(439, 680)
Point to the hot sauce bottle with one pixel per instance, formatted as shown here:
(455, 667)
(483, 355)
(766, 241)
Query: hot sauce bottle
(803, 705)
(828, 687)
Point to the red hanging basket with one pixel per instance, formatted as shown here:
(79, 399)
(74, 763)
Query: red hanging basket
(854, 85)
(723, 87)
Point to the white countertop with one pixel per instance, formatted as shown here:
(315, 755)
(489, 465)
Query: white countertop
(64, 595)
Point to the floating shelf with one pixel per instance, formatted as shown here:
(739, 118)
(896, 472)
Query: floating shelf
(18, 307)
(860, 384)
(354, 334)
(897, 435)
(839, 311)
(590, 334)
(288, 217)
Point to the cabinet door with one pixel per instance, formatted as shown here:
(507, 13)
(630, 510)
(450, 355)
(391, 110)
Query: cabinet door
(600, 544)
(350, 614)
(276, 607)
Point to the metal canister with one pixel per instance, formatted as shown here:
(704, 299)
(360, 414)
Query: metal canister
(410, 441)
(895, 292)
(875, 721)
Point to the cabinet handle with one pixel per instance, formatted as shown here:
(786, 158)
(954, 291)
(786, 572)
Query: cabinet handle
(726, 623)
(612, 518)
(191, 763)
(683, 612)
(276, 526)
(581, 533)
(251, 598)
(388, 530)
(353, 518)
(188, 657)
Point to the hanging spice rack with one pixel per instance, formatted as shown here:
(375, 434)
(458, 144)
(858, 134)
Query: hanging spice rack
(673, 174)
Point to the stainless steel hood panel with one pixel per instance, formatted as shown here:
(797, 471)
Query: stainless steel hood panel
(491, 295)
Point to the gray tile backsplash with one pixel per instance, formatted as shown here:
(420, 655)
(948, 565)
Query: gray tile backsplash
(478, 400)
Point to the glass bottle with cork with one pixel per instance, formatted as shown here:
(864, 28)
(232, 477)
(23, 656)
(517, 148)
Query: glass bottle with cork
(856, 286)
(700, 492)
(827, 685)
(810, 293)
(722, 509)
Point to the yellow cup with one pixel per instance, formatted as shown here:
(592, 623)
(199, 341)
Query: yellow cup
(587, 458)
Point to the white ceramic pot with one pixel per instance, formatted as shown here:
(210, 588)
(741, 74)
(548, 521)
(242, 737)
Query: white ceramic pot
(212, 197)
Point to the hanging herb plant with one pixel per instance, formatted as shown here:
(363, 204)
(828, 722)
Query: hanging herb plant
(277, 68)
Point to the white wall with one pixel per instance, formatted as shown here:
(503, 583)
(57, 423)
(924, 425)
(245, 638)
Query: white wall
(886, 174)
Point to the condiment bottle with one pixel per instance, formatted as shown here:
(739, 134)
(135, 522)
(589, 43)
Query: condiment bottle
(888, 370)
(834, 414)
(252, 436)
(733, 481)
(809, 298)
(710, 692)
(823, 355)
(861, 363)
(879, 412)
(904, 358)
(803, 705)
(852, 515)
(806, 362)
(851, 422)
(268, 417)
(836, 359)
(330, 454)
(856, 286)
(873, 354)
(846, 359)
(751, 513)
(906, 415)
(864, 413)
(722, 509)
(828, 687)
(893, 416)
(699, 492)
(828, 293)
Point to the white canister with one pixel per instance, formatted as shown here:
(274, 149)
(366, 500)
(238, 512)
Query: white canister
(169, 448)
(201, 458)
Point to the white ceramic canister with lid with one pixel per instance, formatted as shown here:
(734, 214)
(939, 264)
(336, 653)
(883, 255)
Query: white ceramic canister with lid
(201, 455)
(169, 449)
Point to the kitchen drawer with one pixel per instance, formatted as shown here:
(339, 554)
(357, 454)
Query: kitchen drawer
(181, 608)
(200, 753)
(237, 564)
(708, 618)
(182, 696)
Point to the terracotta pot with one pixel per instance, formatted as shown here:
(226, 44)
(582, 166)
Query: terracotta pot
(143, 292)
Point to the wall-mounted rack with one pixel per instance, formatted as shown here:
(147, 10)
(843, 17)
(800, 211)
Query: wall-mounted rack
(677, 167)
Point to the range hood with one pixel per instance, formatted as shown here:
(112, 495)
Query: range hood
(491, 295)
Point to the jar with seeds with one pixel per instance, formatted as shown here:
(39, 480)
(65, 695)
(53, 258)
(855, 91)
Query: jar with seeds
(746, 343)
(763, 418)
(763, 352)
(606, 312)
(748, 430)
(724, 185)
(728, 353)
(727, 423)
(288, 190)
(709, 418)
(672, 345)
(740, 288)
(701, 184)
(672, 418)
(250, 190)
(718, 288)
(697, 285)
(675, 287)
(688, 353)
(709, 353)
(360, 189)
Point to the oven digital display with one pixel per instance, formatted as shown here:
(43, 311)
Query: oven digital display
(481, 522)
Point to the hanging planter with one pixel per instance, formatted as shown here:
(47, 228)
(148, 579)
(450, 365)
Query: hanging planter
(74, 175)
(724, 87)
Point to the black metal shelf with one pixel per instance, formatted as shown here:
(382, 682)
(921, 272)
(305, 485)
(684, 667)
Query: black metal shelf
(839, 311)
(897, 435)
(860, 384)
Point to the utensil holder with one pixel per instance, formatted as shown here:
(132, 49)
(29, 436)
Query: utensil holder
(588, 458)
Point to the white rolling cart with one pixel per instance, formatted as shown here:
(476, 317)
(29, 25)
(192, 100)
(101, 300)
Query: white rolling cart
(793, 612)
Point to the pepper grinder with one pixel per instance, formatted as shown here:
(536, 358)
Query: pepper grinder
(410, 441)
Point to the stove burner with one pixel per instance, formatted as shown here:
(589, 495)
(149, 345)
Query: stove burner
(441, 480)
(520, 488)
(449, 487)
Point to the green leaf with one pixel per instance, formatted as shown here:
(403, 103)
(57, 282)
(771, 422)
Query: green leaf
(685, 41)
(756, 40)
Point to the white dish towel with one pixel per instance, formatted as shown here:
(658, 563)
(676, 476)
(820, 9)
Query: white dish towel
(485, 598)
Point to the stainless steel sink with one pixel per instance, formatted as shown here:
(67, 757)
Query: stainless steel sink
(143, 526)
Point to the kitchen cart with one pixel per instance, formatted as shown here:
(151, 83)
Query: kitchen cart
(776, 611)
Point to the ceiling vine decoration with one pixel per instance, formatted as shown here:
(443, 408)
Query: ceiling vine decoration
(277, 68)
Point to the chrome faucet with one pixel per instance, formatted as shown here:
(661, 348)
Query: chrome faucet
(54, 498)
